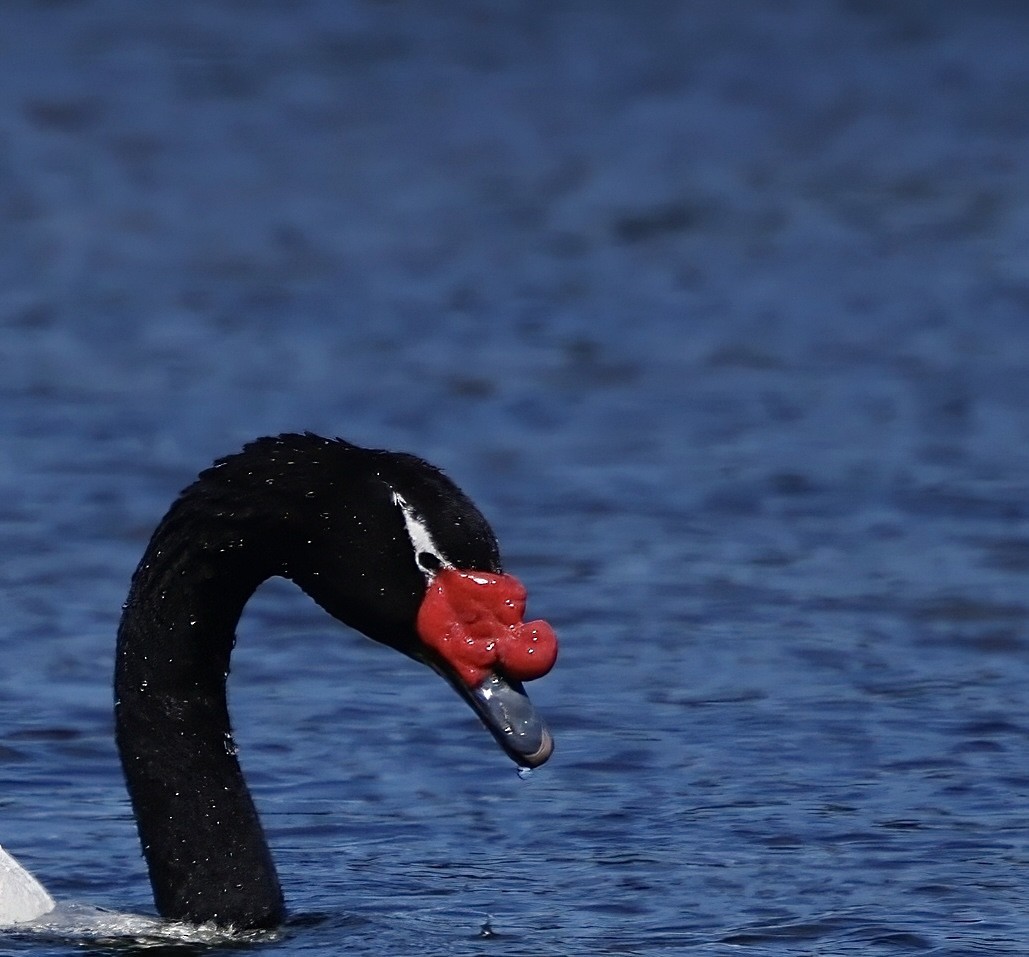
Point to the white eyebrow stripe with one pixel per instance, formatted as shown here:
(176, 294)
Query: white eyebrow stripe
(418, 532)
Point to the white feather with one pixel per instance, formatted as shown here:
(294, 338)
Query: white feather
(22, 897)
(418, 532)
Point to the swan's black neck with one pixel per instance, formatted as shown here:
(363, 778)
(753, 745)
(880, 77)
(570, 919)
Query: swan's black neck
(320, 512)
(201, 836)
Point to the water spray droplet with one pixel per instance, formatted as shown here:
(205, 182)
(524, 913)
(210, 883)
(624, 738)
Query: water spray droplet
(525, 773)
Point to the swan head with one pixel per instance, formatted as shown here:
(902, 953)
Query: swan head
(389, 545)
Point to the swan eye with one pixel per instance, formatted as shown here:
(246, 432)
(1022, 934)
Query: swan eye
(429, 562)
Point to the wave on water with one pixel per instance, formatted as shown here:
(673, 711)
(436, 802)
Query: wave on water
(88, 924)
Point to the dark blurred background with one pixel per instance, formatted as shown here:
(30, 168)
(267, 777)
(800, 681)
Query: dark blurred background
(300, 213)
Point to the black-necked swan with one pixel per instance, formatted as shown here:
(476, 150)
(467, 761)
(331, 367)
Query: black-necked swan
(384, 542)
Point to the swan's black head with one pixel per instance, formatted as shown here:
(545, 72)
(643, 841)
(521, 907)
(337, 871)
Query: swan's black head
(390, 546)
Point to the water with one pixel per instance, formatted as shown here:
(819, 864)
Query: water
(721, 319)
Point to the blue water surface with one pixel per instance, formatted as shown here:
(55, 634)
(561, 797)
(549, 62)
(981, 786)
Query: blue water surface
(720, 313)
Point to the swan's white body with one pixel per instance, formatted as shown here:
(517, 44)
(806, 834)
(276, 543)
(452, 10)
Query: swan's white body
(22, 897)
